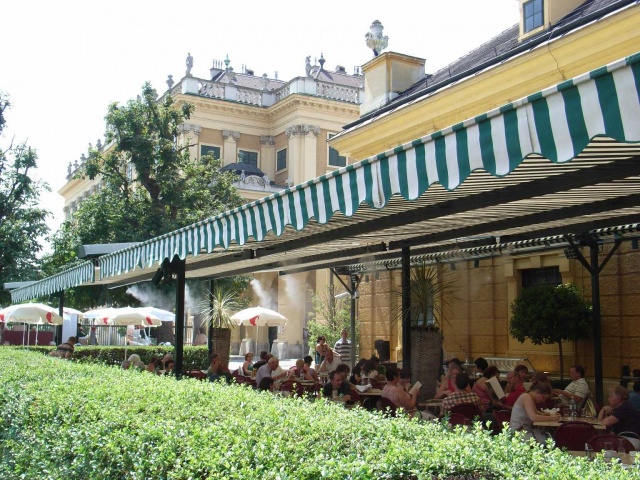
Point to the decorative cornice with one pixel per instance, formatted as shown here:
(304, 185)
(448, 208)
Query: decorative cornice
(267, 140)
(302, 130)
(231, 133)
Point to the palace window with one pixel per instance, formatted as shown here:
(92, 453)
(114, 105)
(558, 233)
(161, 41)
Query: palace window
(210, 150)
(335, 159)
(248, 157)
(533, 15)
(281, 159)
(541, 276)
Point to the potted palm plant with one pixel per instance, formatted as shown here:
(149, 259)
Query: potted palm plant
(430, 296)
(216, 310)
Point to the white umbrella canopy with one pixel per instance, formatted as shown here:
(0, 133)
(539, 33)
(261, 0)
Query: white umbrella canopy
(259, 317)
(66, 311)
(32, 313)
(129, 316)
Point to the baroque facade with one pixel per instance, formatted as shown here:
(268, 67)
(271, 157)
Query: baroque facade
(279, 131)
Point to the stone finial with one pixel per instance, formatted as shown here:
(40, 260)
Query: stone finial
(374, 38)
(170, 81)
(189, 63)
(227, 62)
(99, 144)
(264, 80)
(321, 61)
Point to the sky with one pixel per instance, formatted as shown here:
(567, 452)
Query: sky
(62, 62)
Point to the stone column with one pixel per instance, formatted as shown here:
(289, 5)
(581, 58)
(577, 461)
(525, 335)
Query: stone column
(268, 155)
(190, 134)
(230, 152)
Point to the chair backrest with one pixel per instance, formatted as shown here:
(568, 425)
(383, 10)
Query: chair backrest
(388, 406)
(574, 435)
(502, 416)
(633, 437)
(468, 410)
(458, 419)
(598, 442)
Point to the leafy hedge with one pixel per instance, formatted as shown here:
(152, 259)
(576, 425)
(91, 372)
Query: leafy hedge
(194, 358)
(71, 420)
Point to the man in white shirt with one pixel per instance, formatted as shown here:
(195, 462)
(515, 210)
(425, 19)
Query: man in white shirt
(330, 362)
(578, 389)
(270, 369)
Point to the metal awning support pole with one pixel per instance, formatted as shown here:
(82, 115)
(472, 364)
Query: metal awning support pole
(594, 269)
(406, 307)
(179, 267)
(355, 281)
(58, 329)
(212, 291)
(353, 292)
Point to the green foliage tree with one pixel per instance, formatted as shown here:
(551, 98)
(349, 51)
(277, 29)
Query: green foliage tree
(150, 185)
(548, 314)
(22, 221)
(329, 316)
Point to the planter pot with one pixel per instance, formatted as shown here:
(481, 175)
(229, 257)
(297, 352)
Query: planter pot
(426, 353)
(221, 343)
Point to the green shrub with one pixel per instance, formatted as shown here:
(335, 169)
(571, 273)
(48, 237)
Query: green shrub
(194, 358)
(74, 420)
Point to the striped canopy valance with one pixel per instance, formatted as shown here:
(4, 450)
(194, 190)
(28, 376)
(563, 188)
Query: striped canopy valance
(82, 273)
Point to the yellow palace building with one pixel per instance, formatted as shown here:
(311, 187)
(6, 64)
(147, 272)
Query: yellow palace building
(554, 41)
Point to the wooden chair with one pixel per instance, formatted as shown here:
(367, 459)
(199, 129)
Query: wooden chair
(468, 410)
(499, 418)
(597, 443)
(388, 406)
(458, 419)
(196, 374)
(574, 435)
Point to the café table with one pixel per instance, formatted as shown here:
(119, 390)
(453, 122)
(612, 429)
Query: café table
(433, 405)
(625, 458)
(555, 424)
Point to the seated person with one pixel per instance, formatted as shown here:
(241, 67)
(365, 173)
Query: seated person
(270, 369)
(524, 412)
(266, 384)
(299, 371)
(481, 365)
(168, 367)
(620, 415)
(480, 387)
(66, 349)
(136, 362)
(246, 369)
(217, 370)
(448, 386)
(201, 337)
(542, 377)
(515, 387)
(262, 361)
(634, 395)
(336, 388)
(125, 364)
(371, 370)
(330, 362)
(167, 358)
(154, 365)
(400, 397)
(311, 371)
(577, 390)
(462, 396)
(356, 375)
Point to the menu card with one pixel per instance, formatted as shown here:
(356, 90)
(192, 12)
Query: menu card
(415, 388)
(496, 388)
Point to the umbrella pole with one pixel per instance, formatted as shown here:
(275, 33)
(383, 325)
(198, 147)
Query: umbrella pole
(37, 336)
(23, 333)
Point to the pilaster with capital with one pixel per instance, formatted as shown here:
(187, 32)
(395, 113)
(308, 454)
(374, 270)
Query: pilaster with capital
(303, 151)
(268, 155)
(230, 154)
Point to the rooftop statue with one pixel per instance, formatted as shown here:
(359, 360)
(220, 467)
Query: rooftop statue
(189, 64)
(374, 38)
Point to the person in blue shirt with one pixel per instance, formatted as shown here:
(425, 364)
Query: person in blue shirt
(634, 395)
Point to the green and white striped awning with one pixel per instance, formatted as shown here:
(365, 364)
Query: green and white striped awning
(557, 123)
(82, 273)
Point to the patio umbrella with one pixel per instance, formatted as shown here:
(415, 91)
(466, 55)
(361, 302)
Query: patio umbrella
(31, 313)
(259, 317)
(66, 311)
